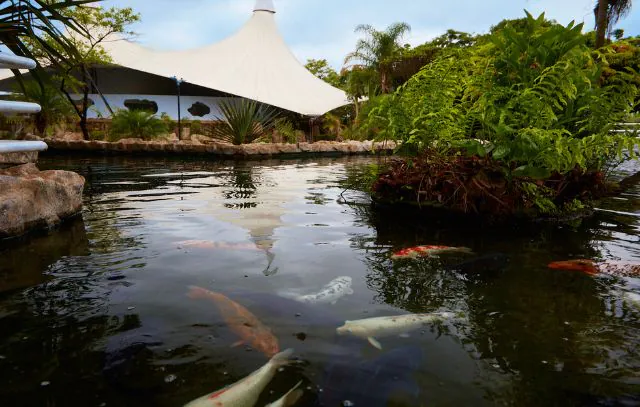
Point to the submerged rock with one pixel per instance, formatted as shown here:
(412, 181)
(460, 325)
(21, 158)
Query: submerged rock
(31, 199)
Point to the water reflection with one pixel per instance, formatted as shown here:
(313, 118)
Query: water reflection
(114, 324)
(26, 260)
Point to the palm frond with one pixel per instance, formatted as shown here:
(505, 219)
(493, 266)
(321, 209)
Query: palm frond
(243, 120)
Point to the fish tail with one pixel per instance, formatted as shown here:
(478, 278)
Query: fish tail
(293, 396)
(282, 358)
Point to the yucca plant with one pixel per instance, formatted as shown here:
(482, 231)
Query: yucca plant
(137, 124)
(243, 120)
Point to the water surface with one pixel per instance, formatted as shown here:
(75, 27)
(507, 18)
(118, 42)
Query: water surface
(95, 313)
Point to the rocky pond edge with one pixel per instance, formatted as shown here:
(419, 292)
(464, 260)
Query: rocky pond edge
(139, 146)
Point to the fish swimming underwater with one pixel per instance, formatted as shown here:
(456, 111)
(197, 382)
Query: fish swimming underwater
(591, 267)
(208, 244)
(428, 251)
(370, 328)
(245, 392)
(289, 399)
(241, 321)
(377, 382)
(330, 293)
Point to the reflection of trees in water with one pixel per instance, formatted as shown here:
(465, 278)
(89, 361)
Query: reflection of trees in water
(539, 334)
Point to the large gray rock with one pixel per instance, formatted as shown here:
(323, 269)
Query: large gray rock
(31, 199)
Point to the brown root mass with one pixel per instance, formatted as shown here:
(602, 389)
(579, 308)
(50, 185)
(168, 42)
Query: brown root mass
(474, 185)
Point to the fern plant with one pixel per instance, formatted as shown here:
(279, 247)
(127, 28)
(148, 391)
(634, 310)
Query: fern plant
(243, 120)
(529, 96)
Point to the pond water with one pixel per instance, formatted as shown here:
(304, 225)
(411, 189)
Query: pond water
(96, 313)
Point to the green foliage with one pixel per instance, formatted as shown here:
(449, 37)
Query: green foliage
(321, 69)
(54, 107)
(285, 128)
(528, 96)
(243, 120)
(196, 127)
(136, 124)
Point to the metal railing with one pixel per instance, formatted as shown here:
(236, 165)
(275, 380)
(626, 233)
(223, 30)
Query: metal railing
(8, 61)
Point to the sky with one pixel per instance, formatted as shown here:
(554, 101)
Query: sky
(324, 29)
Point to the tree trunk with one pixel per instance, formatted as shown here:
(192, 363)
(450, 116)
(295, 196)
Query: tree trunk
(602, 23)
(85, 105)
(384, 82)
(40, 122)
(357, 105)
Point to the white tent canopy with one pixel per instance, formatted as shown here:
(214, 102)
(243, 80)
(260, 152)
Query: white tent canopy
(254, 63)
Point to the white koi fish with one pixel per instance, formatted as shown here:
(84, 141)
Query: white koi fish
(330, 293)
(369, 328)
(632, 298)
(245, 393)
(288, 399)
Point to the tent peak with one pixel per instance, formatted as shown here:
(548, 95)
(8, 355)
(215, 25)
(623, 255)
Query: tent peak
(265, 5)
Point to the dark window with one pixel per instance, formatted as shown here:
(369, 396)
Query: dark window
(141, 104)
(199, 109)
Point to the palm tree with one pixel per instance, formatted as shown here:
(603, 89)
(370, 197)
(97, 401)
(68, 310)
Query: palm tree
(608, 13)
(377, 47)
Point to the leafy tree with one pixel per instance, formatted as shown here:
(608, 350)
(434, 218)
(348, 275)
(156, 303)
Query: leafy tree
(54, 107)
(607, 14)
(453, 38)
(321, 69)
(377, 47)
(98, 25)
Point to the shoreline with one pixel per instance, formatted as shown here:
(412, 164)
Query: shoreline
(218, 150)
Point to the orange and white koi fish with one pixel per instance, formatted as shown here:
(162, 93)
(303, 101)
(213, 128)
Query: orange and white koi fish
(241, 321)
(591, 267)
(208, 244)
(245, 393)
(428, 251)
(289, 399)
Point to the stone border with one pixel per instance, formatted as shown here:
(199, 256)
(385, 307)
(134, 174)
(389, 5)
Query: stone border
(138, 147)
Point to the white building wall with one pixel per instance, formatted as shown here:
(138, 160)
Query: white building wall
(166, 103)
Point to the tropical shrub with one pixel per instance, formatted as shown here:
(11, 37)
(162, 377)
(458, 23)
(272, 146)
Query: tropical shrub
(54, 107)
(136, 124)
(243, 120)
(526, 101)
(530, 97)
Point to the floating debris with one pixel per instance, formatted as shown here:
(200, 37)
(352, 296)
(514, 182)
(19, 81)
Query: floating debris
(130, 308)
(45, 383)
(347, 403)
(170, 378)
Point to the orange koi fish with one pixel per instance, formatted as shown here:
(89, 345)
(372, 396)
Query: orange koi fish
(208, 244)
(428, 251)
(591, 267)
(241, 321)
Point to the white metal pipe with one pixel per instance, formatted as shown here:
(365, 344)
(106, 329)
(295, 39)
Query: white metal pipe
(19, 146)
(9, 61)
(7, 106)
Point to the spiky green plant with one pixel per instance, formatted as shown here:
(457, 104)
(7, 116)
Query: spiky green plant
(136, 123)
(243, 120)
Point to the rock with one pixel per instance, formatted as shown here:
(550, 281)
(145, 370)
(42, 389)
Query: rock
(30, 198)
(18, 158)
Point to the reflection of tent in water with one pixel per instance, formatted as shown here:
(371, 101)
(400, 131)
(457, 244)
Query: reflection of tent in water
(261, 223)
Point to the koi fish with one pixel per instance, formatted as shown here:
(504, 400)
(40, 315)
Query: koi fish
(242, 322)
(245, 392)
(289, 399)
(632, 298)
(208, 244)
(330, 293)
(369, 328)
(591, 267)
(428, 251)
